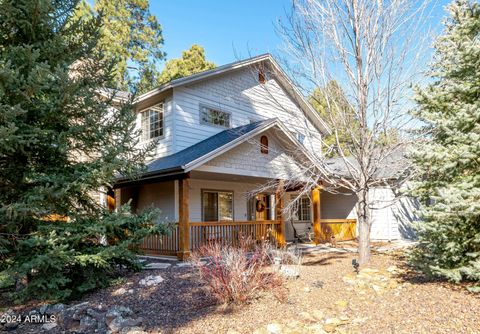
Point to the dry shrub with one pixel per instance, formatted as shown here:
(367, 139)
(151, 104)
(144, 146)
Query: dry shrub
(237, 274)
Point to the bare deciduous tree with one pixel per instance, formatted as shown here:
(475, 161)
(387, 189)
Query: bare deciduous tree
(372, 49)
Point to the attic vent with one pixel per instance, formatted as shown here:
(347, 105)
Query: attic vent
(264, 145)
(261, 76)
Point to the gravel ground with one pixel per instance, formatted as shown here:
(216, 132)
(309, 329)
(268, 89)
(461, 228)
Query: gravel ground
(410, 304)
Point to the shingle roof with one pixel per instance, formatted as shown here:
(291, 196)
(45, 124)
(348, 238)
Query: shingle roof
(391, 167)
(177, 161)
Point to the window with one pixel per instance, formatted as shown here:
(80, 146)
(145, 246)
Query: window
(261, 76)
(214, 117)
(152, 122)
(303, 209)
(217, 205)
(300, 137)
(264, 144)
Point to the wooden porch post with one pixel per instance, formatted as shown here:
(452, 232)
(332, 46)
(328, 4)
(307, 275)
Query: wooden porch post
(184, 217)
(279, 201)
(316, 214)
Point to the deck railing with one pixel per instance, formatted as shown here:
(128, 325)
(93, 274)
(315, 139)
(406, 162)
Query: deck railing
(341, 229)
(202, 233)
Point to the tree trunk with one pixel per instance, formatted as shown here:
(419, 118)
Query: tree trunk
(363, 220)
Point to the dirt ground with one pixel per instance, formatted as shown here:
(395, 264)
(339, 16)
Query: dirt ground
(328, 297)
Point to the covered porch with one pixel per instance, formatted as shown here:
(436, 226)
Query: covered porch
(206, 207)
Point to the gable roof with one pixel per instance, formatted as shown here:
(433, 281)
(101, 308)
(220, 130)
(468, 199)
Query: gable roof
(286, 83)
(198, 154)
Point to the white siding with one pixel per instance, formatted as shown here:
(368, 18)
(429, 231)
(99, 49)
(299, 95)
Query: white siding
(246, 159)
(240, 94)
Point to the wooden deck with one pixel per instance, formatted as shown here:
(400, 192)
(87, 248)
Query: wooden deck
(202, 233)
(229, 233)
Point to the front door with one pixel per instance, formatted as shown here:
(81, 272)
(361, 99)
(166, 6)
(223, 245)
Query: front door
(262, 207)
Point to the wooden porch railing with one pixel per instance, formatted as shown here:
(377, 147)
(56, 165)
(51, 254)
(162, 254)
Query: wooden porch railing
(202, 233)
(341, 229)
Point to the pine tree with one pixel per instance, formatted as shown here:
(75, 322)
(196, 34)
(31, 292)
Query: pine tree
(62, 137)
(448, 165)
(192, 61)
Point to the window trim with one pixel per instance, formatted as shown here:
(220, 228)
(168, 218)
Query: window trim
(203, 190)
(203, 105)
(162, 109)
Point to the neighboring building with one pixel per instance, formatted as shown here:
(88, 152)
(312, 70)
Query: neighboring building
(222, 135)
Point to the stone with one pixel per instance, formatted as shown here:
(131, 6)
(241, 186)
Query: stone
(151, 280)
(341, 304)
(55, 309)
(157, 265)
(232, 331)
(333, 321)
(307, 289)
(117, 311)
(316, 329)
(307, 317)
(318, 314)
(329, 328)
(49, 326)
(274, 328)
(119, 292)
(119, 323)
(87, 324)
(261, 331)
(290, 271)
(95, 314)
(133, 330)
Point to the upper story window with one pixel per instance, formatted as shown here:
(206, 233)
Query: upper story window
(300, 137)
(152, 122)
(264, 144)
(215, 117)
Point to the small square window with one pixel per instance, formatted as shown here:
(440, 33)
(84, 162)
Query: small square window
(214, 117)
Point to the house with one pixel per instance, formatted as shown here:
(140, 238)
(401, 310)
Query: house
(227, 139)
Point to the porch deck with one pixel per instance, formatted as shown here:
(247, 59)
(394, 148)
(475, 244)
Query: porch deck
(229, 233)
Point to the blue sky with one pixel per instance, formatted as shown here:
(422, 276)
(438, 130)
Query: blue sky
(226, 29)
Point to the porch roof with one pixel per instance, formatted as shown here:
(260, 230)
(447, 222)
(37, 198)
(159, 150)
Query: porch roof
(186, 160)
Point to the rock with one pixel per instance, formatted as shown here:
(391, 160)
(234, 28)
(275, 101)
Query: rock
(151, 280)
(49, 326)
(307, 317)
(117, 311)
(157, 265)
(318, 284)
(119, 292)
(87, 324)
(315, 329)
(10, 326)
(290, 271)
(55, 309)
(333, 321)
(318, 314)
(232, 331)
(95, 314)
(307, 289)
(329, 328)
(274, 328)
(119, 323)
(184, 264)
(133, 330)
(341, 304)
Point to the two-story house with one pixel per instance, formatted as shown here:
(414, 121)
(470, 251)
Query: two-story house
(228, 138)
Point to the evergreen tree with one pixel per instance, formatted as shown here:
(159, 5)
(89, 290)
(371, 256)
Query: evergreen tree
(448, 181)
(192, 61)
(130, 35)
(60, 141)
